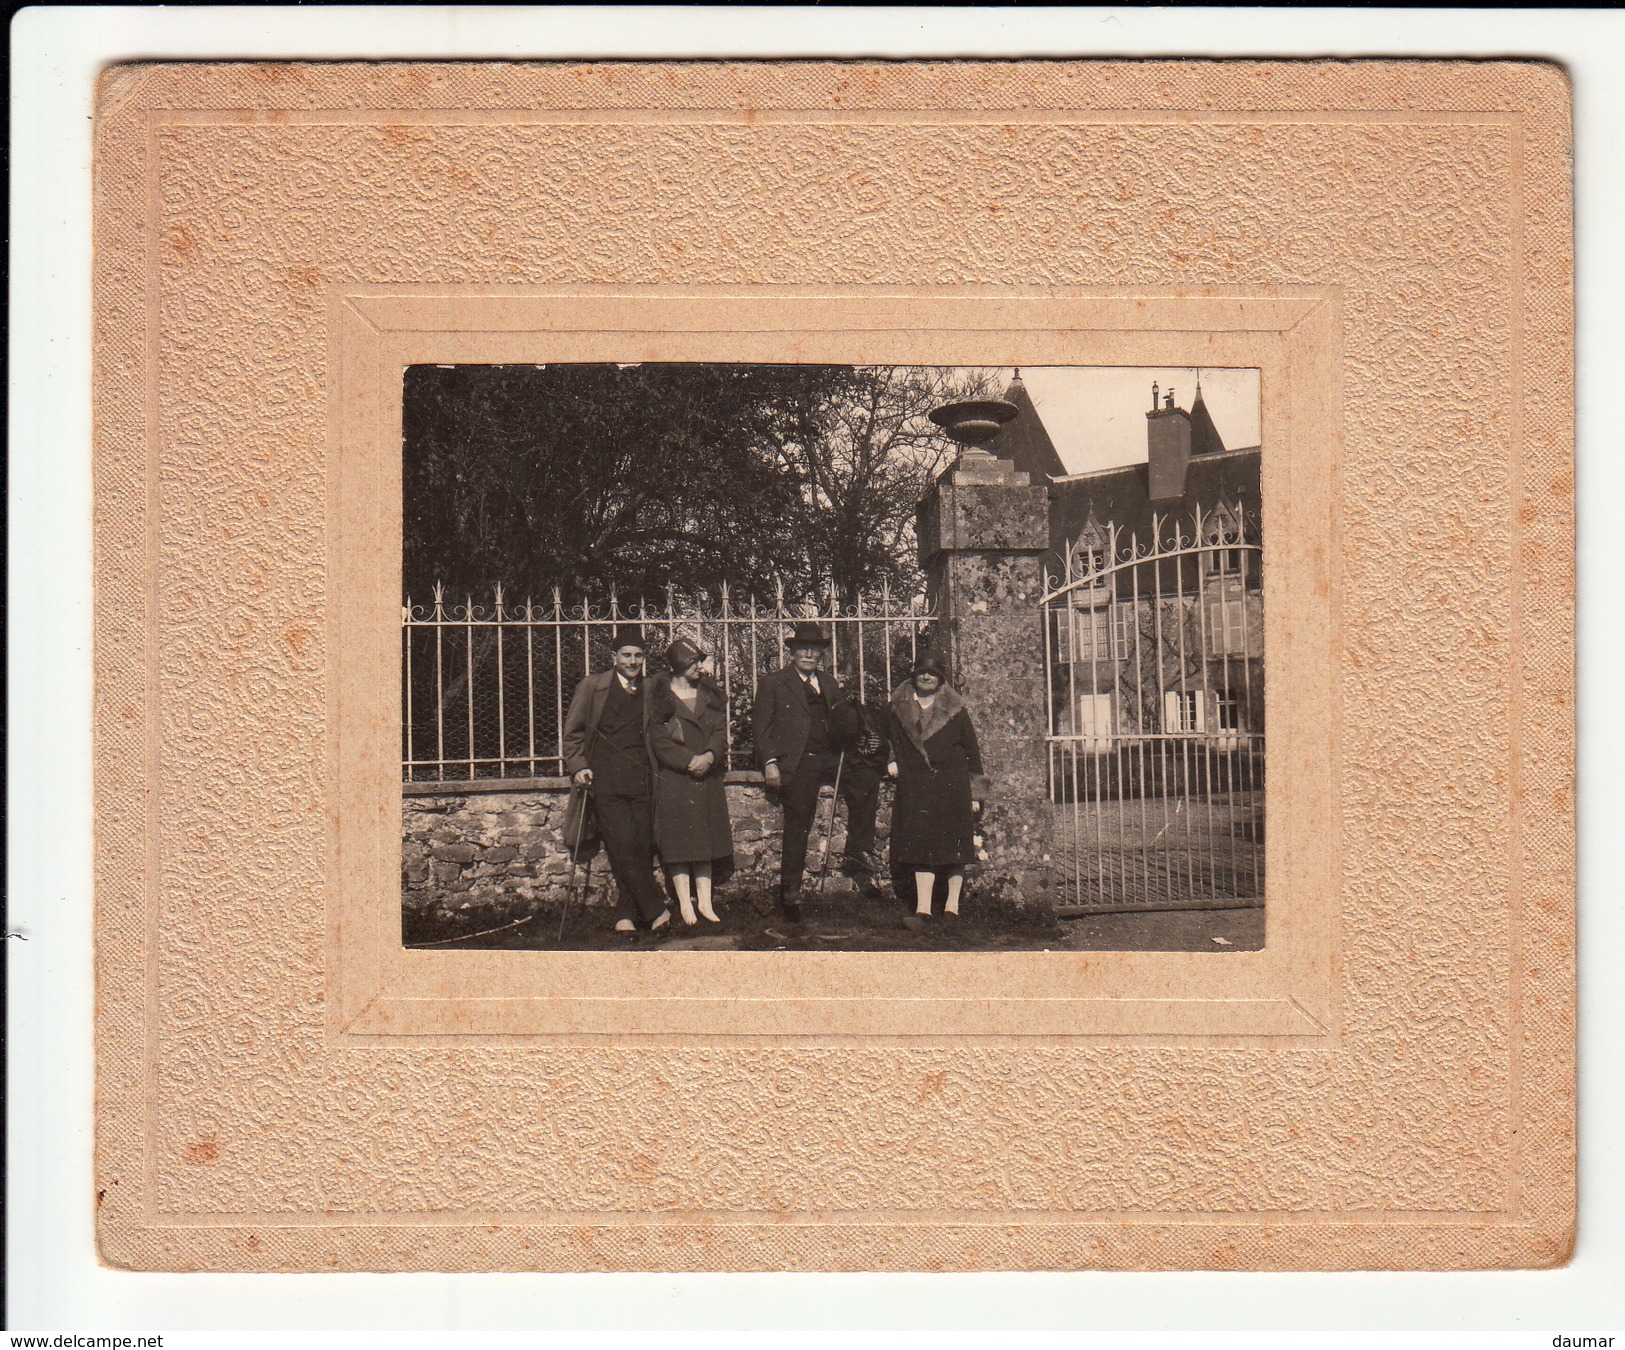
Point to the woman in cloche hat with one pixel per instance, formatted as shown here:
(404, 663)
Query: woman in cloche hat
(688, 740)
(938, 767)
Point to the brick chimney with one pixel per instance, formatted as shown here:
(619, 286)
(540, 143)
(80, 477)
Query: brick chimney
(1168, 447)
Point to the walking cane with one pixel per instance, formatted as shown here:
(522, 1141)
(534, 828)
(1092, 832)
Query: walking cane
(575, 847)
(829, 827)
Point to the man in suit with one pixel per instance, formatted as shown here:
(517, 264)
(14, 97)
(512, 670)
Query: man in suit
(605, 754)
(801, 719)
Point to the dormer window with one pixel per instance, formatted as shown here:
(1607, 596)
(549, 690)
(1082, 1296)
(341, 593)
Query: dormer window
(1090, 557)
(1224, 527)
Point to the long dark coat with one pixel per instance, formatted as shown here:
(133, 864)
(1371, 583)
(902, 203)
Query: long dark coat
(938, 762)
(581, 722)
(691, 815)
(579, 828)
(781, 720)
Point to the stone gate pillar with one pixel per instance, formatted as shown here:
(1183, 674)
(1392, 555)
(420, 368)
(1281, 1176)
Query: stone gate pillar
(983, 530)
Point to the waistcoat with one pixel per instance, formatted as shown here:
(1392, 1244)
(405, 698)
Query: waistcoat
(620, 764)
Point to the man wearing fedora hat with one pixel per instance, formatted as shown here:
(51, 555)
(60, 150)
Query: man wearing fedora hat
(800, 721)
(605, 754)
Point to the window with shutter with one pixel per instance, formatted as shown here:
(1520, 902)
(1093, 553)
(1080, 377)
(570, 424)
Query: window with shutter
(1182, 710)
(1092, 634)
(1227, 627)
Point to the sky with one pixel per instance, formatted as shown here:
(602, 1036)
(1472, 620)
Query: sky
(1096, 414)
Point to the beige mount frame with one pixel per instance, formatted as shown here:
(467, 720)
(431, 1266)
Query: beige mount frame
(1388, 1084)
(1284, 991)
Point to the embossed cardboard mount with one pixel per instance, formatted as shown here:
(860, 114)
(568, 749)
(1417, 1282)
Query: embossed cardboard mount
(1389, 1083)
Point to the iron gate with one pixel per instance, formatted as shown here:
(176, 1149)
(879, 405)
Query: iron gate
(1154, 657)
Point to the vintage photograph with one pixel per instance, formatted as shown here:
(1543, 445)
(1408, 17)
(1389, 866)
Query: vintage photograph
(839, 658)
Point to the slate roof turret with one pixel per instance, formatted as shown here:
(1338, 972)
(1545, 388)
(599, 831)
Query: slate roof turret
(1205, 438)
(1024, 441)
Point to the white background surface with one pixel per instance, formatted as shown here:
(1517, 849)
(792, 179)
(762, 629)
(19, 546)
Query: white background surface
(55, 1283)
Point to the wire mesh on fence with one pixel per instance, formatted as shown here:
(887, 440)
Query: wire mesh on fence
(486, 687)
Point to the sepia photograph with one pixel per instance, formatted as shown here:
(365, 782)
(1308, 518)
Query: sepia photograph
(746, 657)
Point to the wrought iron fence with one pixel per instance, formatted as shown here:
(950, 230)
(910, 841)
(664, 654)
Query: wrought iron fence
(485, 687)
(1155, 657)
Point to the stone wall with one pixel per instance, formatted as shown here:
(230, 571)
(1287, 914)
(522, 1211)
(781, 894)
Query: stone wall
(502, 848)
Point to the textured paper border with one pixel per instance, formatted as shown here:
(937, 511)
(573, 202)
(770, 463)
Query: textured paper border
(1282, 991)
(156, 1162)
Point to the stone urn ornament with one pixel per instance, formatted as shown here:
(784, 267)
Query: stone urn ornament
(973, 422)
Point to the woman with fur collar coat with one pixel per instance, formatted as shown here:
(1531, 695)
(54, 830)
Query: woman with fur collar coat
(938, 767)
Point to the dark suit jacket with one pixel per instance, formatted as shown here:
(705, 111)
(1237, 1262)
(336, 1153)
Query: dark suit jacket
(780, 720)
(581, 722)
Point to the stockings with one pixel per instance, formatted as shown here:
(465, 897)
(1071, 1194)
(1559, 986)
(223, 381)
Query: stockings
(925, 883)
(692, 882)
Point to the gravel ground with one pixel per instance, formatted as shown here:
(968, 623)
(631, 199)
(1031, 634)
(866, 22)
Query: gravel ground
(844, 921)
(1191, 930)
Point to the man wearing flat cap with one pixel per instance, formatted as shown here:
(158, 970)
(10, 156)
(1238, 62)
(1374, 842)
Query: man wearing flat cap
(801, 720)
(605, 753)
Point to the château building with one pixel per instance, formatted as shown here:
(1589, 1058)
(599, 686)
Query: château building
(1155, 613)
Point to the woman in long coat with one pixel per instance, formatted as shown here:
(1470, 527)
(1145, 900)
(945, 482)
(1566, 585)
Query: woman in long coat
(688, 741)
(938, 767)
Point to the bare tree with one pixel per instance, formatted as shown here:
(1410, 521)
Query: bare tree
(872, 456)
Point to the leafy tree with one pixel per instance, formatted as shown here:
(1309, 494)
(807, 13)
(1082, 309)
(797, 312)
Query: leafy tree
(578, 476)
(659, 475)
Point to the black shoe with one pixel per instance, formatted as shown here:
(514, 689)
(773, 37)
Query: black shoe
(916, 923)
(790, 907)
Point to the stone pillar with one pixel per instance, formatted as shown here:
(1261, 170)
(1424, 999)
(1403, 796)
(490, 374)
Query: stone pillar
(983, 532)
